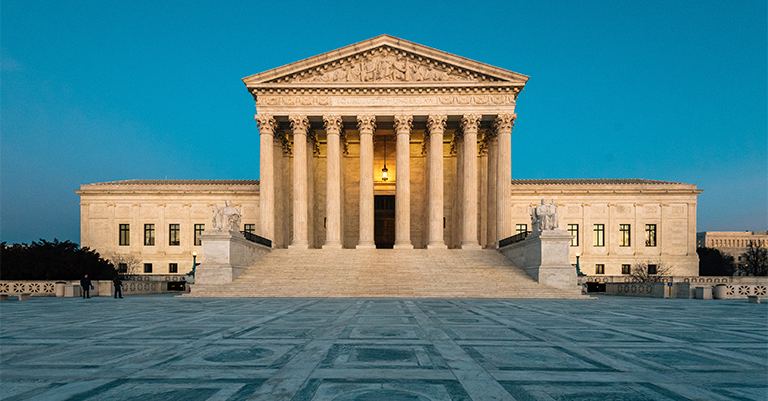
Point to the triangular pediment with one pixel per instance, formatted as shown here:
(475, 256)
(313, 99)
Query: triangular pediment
(388, 61)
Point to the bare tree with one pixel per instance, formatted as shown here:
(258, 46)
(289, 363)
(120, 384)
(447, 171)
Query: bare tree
(754, 261)
(650, 272)
(125, 263)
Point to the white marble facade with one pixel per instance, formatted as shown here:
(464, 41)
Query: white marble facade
(105, 206)
(442, 125)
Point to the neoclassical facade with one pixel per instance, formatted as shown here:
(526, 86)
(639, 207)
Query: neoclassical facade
(733, 243)
(338, 121)
(390, 144)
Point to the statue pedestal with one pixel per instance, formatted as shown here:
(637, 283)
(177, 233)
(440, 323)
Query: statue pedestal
(545, 257)
(225, 255)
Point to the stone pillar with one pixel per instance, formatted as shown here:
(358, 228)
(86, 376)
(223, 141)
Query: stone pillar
(436, 128)
(503, 126)
(300, 125)
(333, 183)
(403, 125)
(493, 154)
(267, 126)
(458, 220)
(469, 125)
(366, 125)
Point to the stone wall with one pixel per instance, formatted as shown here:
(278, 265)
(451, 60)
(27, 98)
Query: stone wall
(670, 206)
(104, 206)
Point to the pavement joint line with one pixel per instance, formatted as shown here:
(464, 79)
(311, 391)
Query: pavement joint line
(289, 380)
(475, 378)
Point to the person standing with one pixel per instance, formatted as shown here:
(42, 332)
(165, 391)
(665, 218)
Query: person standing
(118, 287)
(85, 282)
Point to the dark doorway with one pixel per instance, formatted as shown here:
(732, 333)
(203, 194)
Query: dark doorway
(384, 221)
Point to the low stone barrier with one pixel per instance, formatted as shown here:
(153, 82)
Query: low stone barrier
(738, 288)
(104, 288)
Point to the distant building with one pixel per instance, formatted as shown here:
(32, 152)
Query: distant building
(733, 243)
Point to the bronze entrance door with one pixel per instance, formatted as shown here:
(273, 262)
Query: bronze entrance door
(384, 221)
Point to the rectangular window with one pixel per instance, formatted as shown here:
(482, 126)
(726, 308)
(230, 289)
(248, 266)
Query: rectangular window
(650, 235)
(652, 269)
(250, 228)
(174, 234)
(147, 267)
(625, 269)
(599, 232)
(122, 267)
(125, 234)
(149, 234)
(573, 229)
(521, 228)
(599, 269)
(173, 267)
(625, 237)
(199, 228)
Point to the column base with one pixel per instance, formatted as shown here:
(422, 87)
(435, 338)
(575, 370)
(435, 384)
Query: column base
(472, 247)
(437, 246)
(299, 246)
(332, 246)
(366, 245)
(404, 245)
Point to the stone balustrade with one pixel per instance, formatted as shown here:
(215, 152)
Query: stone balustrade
(47, 288)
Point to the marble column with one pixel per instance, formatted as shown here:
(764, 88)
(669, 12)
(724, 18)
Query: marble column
(503, 126)
(300, 126)
(333, 182)
(469, 125)
(403, 125)
(366, 125)
(267, 126)
(493, 154)
(458, 212)
(436, 129)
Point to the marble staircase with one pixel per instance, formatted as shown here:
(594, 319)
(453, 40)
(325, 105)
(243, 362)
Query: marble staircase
(383, 273)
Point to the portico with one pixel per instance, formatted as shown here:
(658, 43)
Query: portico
(329, 124)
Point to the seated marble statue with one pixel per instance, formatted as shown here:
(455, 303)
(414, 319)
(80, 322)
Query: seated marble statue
(226, 218)
(544, 217)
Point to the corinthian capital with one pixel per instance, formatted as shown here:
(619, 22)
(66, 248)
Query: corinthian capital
(266, 123)
(366, 124)
(470, 122)
(436, 124)
(504, 123)
(299, 124)
(403, 124)
(332, 124)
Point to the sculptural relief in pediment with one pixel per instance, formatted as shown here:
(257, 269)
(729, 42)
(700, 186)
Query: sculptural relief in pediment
(384, 65)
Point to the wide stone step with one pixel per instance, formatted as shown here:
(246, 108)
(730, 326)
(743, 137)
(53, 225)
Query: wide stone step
(383, 273)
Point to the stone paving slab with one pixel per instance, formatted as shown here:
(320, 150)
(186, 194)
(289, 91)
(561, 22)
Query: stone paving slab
(164, 347)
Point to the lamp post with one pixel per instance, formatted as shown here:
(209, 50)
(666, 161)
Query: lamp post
(578, 271)
(194, 266)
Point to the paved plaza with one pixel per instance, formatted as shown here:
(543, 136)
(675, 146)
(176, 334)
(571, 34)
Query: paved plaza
(164, 347)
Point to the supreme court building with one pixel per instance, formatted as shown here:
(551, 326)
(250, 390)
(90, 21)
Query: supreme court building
(390, 144)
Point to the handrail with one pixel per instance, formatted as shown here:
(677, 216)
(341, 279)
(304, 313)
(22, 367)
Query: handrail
(257, 239)
(515, 238)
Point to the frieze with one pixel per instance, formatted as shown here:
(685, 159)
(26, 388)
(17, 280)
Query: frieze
(448, 100)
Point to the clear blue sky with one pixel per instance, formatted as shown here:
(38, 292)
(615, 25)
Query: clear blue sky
(100, 90)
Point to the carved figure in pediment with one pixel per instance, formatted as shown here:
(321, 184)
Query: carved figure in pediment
(353, 73)
(400, 67)
(383, 66)
(371, 70)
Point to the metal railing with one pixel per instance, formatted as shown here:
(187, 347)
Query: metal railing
(257, 239)
(513, 239)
